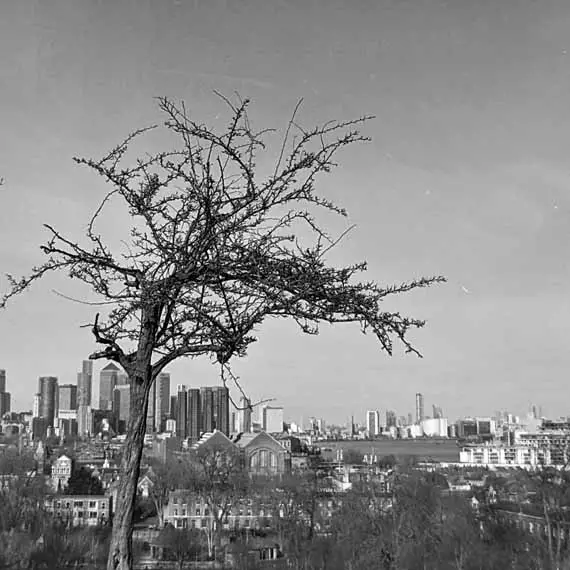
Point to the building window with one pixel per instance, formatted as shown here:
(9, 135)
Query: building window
(92, 504)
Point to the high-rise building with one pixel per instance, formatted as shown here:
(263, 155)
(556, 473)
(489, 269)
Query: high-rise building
(4, 403)
(84, 420)
(162, 401)
(437, 412)
(244, 416)
(108, 380)
(150, 425)
(372, 422)
(272, 419)
(47, 389)
(221, 409)
(67, 397)
(207, 408)
(391, 419)
(419, 408)
(193, 414)
(173, 407)
(4, 396)
(181, 411)
(85, 384)
(122, 406)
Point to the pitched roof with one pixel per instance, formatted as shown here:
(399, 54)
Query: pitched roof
(110, 367)
(244, 439)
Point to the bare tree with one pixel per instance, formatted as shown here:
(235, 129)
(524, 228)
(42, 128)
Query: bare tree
(214, 250)
(217, 475)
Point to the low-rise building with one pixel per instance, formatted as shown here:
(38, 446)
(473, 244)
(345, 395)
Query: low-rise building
(81, 510)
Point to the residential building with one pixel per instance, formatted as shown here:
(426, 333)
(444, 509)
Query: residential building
(61, 472)
(47, 389)
(81, 510)
(108, 381)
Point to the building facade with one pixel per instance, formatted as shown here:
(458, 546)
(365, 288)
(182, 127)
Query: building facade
(108, 381)
(81, 510)
(67, 397)
(48, 392)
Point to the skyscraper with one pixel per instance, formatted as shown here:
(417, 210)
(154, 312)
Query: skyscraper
(221, 409)
(193, 415)
(437, 412)
(4, 396)
(181, 412)
(85, 384)
(108, 379)
(122, 406)
(162, 401)
(372, 422)
(419, 408)
(244, 416)
(150, 425)
(207, 408)
(272, 419)
(47, 389)
(84, 398)
(67, 397)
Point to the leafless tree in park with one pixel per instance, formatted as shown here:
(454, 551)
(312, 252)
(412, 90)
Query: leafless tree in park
(212, 253)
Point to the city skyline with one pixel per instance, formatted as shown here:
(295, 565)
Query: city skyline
(466, 176)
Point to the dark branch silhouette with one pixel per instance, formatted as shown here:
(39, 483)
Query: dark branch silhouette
(215, 249)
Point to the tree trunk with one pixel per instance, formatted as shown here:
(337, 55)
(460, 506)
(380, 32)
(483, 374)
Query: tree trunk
(120, 552)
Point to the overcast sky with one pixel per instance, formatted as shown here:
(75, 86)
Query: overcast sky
(467, 176)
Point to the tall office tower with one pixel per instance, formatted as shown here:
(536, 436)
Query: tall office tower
(85, 384)
(122, 406)
(173, 407)
(162, 400)
(181, 411)
(4, 396)
(221, 409)
(244, 416)
(36, 409)
(391, 419)
(207, 408)
(437, 412)
(47, 388)
(108, 380)
(193, 414)
(410, 419)
(272, 419)
(67, 397)
(419, 408)
(373, 422)
(84, 398)
(150, 425)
